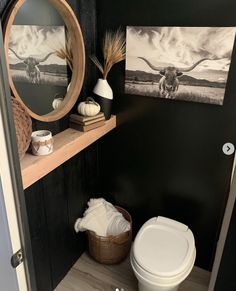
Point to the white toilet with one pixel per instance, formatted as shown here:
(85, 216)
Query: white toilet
(163, 254)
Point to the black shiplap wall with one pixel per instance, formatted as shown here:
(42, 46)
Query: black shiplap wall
(66, 190)
(54, 202)
(166, 159)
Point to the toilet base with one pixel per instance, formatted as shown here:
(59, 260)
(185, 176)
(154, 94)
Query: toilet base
(142, 287)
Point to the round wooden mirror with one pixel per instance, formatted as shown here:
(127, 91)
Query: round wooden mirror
(45, 57)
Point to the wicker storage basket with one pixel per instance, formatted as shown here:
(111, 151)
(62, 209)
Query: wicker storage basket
(111, 249)
(23, 125)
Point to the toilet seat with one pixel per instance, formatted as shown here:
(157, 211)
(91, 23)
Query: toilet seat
(147, 277)
(163, 251)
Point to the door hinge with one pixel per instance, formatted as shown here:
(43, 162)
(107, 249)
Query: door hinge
(17, 259)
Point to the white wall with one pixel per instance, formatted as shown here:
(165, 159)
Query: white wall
(8, 279)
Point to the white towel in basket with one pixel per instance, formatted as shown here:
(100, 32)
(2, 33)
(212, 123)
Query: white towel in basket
(102, 218)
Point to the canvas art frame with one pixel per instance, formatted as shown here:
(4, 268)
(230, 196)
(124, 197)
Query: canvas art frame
(179, 63)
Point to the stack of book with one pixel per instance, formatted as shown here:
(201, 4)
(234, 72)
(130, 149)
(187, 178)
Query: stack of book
(86, 123)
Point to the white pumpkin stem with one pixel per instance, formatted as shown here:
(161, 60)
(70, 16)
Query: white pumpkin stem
(90, 99)
(59, 95)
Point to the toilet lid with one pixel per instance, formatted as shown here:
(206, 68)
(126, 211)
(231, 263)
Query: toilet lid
(164, 247)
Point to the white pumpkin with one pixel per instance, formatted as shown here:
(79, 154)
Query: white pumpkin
(88, 107)
(57, 102)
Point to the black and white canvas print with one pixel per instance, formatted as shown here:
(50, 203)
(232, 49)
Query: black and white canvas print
(181, 63)
(33, 55)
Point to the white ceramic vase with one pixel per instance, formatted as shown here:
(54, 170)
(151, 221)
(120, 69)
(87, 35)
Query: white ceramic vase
(104, 96)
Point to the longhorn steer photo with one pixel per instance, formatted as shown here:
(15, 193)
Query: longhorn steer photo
(32, 69)
(169, 83)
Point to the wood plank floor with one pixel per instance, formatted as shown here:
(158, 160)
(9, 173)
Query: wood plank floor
(87, 275)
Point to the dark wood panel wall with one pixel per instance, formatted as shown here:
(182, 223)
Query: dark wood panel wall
(58, 199)
(53, 205)
(166, 159)
(64, 192)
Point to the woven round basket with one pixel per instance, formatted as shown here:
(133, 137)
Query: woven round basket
(111, 249)
(23, 125)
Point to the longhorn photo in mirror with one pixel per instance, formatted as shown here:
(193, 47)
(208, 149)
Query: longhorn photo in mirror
(37, 71)
(33, 55)
(179, 63)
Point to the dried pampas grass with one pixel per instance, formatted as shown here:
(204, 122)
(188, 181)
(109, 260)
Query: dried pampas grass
(113, 49)
(65, 53)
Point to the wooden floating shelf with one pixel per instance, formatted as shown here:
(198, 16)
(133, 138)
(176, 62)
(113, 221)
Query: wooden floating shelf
(66, 144)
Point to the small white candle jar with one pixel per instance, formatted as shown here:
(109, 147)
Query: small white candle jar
(41, 142)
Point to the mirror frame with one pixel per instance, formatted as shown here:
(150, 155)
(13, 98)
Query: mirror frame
(78, 52)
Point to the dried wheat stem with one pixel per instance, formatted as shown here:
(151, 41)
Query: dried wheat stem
(113, 49)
